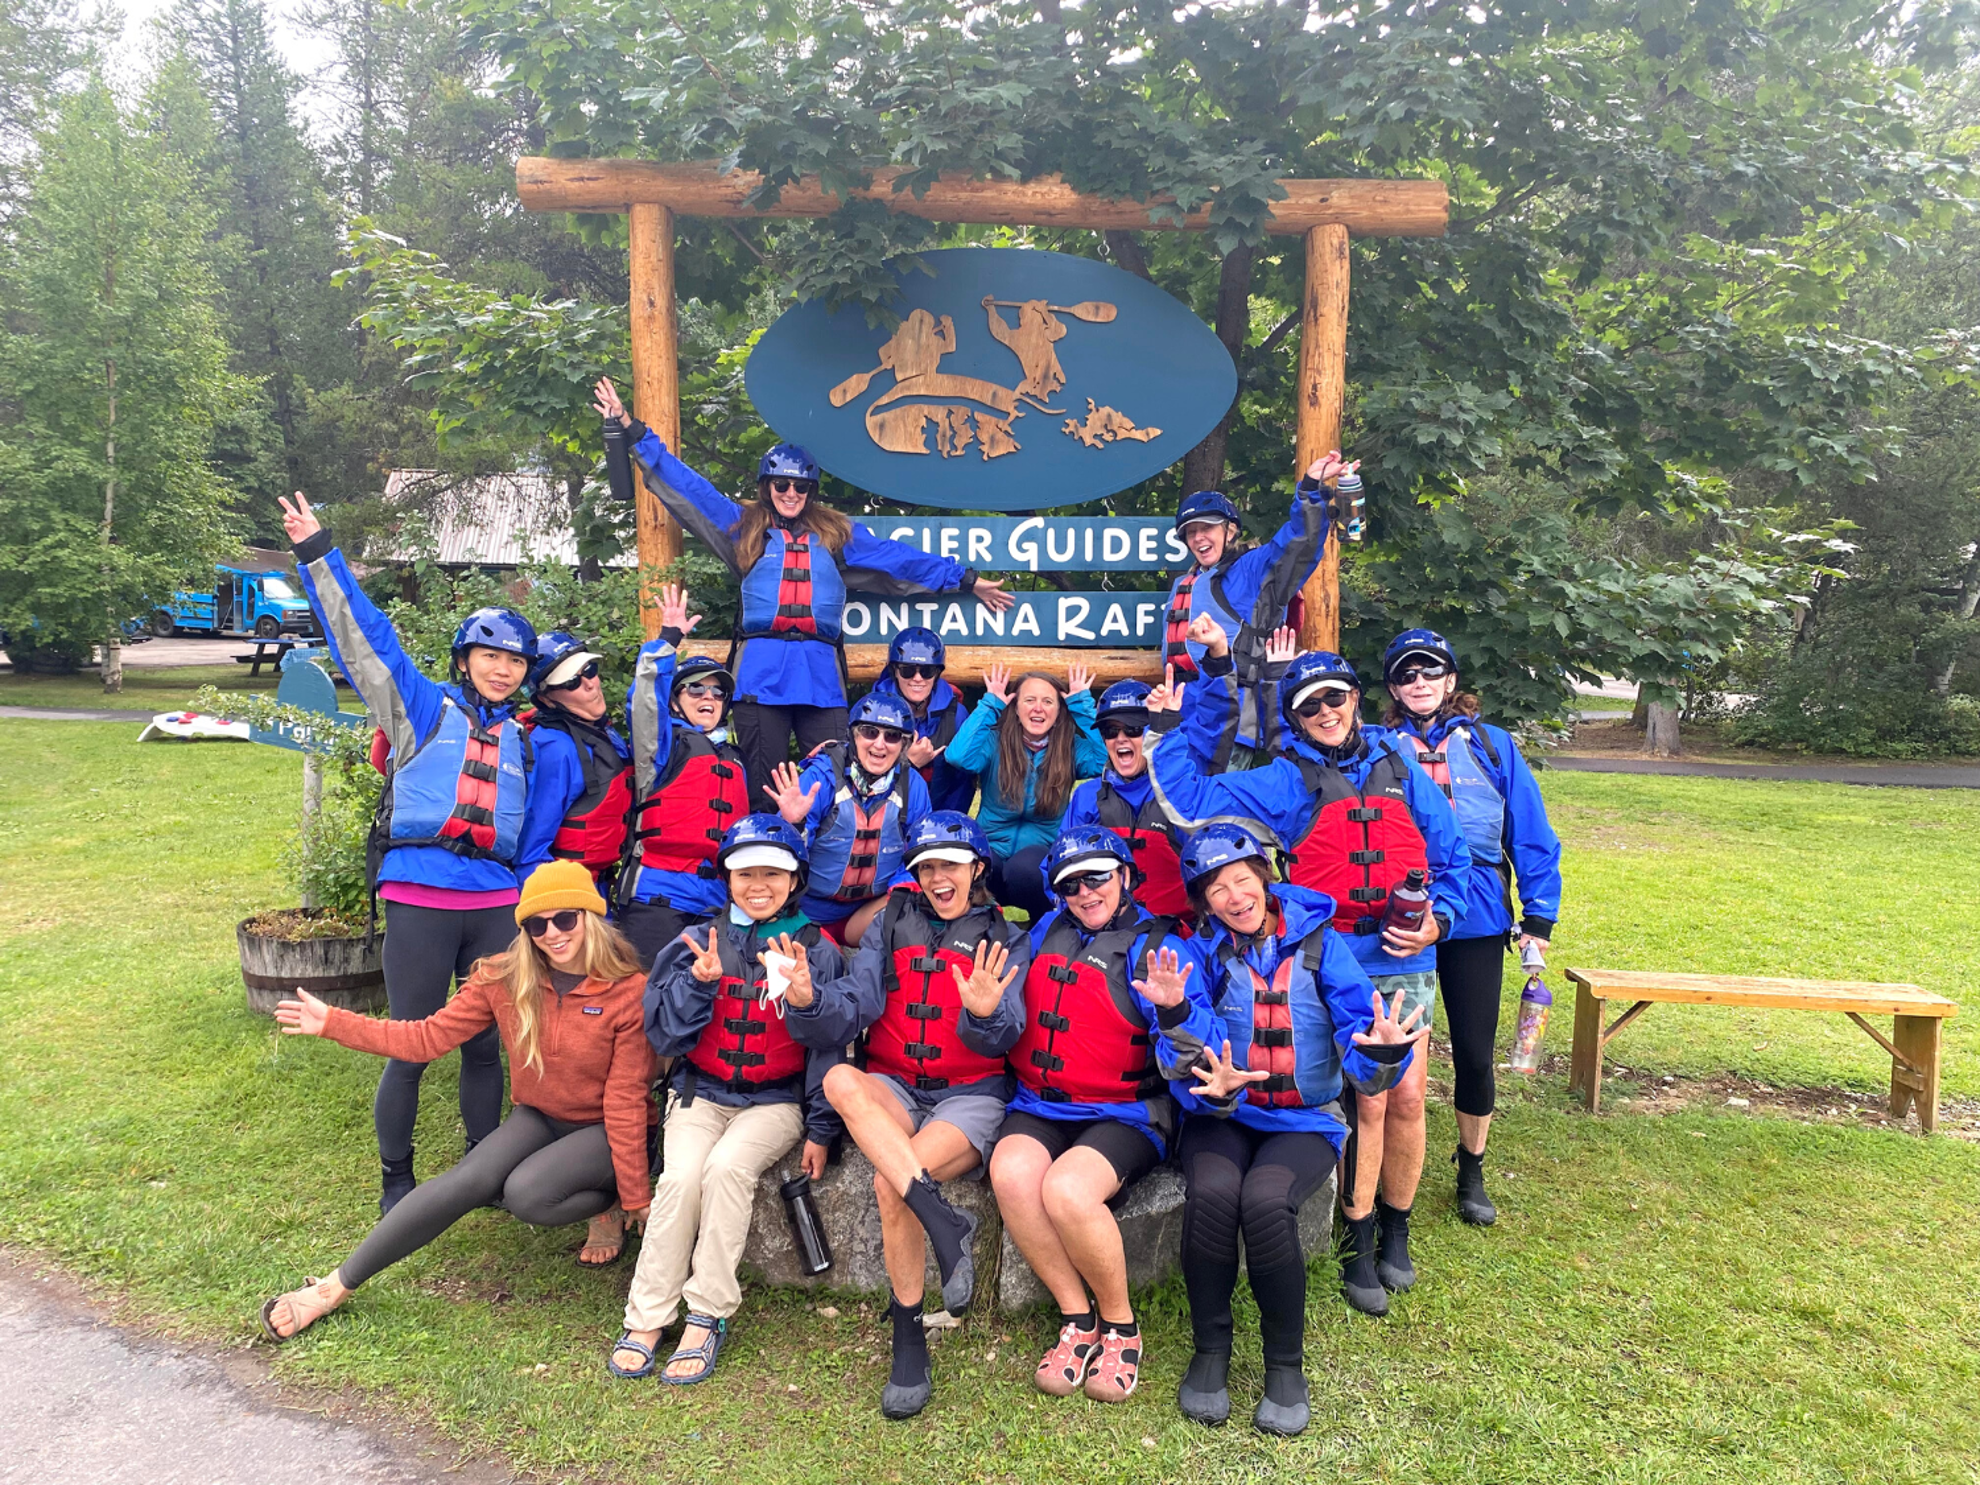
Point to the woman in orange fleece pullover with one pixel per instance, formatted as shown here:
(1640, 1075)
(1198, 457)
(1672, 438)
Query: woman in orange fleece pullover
(566, 999)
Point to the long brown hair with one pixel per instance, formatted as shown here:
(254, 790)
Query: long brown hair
(1055, 775)
(1457, 704)
(752, 529)
(524, 970)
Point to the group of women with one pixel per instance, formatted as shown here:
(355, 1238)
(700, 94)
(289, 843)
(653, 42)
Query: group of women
(1216, 876)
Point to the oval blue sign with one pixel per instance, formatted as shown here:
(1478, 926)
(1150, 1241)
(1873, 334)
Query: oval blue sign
(1017, 379)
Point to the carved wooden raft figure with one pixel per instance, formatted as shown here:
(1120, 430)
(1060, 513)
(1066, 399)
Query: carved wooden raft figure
(1913, 1044)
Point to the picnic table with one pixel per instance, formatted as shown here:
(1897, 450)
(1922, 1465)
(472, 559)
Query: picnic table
(271, 651)
(1913, 1043)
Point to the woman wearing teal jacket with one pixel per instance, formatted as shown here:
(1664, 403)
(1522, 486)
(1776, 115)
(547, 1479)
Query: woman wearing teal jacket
(1029, 729)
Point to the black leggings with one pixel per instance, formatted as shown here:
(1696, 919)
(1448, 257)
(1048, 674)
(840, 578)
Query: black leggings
(1470, 973)
(650, 926)
(763, 734)
(426, 950)
(1018, 881)
(546, 1172)
(1242, 1179)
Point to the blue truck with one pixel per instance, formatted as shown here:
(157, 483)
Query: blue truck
(242, 603)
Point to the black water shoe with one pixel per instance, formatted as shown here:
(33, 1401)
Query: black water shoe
(952, 1233)
(396, 1184)
(1284, 1409)
(1205, 1392)
(912, 1381)
(1359, 1281)
(1392, 1263)
(1472, 1202)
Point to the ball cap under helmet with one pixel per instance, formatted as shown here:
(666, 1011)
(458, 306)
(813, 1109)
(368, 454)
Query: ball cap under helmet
(1308, 673)
(1425, 642)
(559, 657)
(1085, 848)
(762, 840)
(1206, 505)
(496, 629)
(704, 669)
(1123, 699)
(947, 835)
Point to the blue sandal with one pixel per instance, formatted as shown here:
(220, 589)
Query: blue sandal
(627, 1343)
(705, 1353)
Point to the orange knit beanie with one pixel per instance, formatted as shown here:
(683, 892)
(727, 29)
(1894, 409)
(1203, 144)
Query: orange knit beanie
(558, 884)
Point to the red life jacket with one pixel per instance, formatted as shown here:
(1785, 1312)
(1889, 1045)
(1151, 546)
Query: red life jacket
(1151, 838)
(1175, 632)
(1085, 1039)
(746, 1045)
(794, 592)
(693, 802)
(1272, 1049)
(594, 828)
(916, 1037)
(1359, 843)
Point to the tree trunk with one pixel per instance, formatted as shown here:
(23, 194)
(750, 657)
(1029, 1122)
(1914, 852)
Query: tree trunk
(1125, 249)
(1660, 737)
(1203, 466)
(1639, 714)
(1969, 600)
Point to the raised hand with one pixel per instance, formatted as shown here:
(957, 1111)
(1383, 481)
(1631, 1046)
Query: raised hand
(605, 397)
(791, 803)
(305, 1017)
(990, 593)
(707, 966)
(997, 683)
(1168, 696)
(984, 986)
(1206, 631)
(1167, 975)
(1222, 1077)
(1329, 467)
(674, 609)
(1386, 1030)
(921, 752)
(1282, 646)
(799, 991)
(298, 521)
(1080, 680)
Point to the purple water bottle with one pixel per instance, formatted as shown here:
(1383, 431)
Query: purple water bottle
(1535, 1002)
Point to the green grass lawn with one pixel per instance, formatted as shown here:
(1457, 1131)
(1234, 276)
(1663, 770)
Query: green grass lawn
(1700, 1296)
(147, 691)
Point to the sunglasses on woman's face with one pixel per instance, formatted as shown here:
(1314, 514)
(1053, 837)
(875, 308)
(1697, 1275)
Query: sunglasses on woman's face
(700, 689)
(542, 923)
(1086, 881)
(867, 732)
(917, 672)
(1421, 673)
(589, 673)
(785, 487)
(1321, 701)
(1111, 730)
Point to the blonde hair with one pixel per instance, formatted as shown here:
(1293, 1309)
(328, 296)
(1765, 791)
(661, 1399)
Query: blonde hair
(751, 531)
(524, 971)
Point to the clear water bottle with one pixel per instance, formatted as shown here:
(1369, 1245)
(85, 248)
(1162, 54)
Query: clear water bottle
(1536, 1001)
(1350, 488)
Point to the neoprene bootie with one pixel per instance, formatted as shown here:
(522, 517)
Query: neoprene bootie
(1472, 1202)
(952, 1233)
(1392, 1265)
(1359, 1281)
(1204, 1393)
(1285, 1408)
(912, 1381)
(397, 1182)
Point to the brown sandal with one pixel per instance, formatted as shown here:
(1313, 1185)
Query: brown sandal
(617, 1217)
(303, 1305)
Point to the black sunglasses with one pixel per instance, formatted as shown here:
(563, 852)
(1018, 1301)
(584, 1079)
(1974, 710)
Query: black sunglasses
(785, 487)
(918, 672)
(589, 673)
(1321, 701)
(1111, 730)
(1086, 881)
(541, 923)
(1421, 673)
(867, 732)
(702, 688)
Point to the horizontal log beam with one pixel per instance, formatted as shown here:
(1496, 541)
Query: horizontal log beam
(1367, 208)
(966, 663)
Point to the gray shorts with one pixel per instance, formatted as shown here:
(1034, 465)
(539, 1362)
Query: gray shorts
(1419, 991)
(978, 1115)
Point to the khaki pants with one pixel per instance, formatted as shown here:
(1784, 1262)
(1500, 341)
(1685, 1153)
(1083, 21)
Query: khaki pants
(701, 1202)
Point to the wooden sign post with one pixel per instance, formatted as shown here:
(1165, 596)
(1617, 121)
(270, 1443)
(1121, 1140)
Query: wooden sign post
(1325, 212)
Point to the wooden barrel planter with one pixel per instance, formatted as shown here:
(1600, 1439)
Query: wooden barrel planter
(277, 960)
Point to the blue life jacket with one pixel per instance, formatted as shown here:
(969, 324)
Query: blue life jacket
(1194, 594)
(795, 591)
(858, 849)
(1474, 795)
(463, 788)
(1281, 1024)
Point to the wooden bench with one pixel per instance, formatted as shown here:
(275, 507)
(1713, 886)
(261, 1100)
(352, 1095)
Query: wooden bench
(1913, 1043)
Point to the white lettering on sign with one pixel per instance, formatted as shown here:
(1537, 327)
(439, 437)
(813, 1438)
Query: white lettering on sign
(1099, 618)
(1026, 551)
(951, 542)
(1115, 545)
(953, 621)
(1177, 551)
(858, 619)
(1147, 549)
(1115, 622)
(1072, 612)
(986, 619)
(1052, 545)
(1026, 622)
(1146, 615)
(979, 547)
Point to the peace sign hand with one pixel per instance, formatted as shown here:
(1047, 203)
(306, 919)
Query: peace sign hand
(1222, 1077)
(984, 986)
(798, 990)
(306, 1016)
(1164, 985)
(1386, 1030)
(674, 609)
(1080, 680)
(707, 966)
(298, 521)
(783, 792)
(1282, 646)
(1206, 631)
(997, 683)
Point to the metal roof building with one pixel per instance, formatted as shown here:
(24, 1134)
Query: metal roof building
(499, 520)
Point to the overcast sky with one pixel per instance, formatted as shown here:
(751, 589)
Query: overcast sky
(306, 55)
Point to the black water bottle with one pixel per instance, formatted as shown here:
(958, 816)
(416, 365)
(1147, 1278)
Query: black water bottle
(807, 1230)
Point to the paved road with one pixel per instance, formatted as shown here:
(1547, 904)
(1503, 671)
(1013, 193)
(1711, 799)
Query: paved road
(1902, 775)
(88, 1404)
(73, 714)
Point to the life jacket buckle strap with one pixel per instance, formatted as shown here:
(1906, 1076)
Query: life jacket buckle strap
(923, 1051)
(1367, 858)
(921, 1010)
(1272, 1036)
(1270, 997)
(1367, 814)
(1052, 1021)
(1044, 1059)
(1367, 894)
(929, 1085)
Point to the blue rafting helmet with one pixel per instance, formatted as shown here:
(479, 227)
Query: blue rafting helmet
(496, 629)
(1085, 848)
(551, 651)
(704, 669)
(1417, 642)
(916, 646)
(882, 711)
(763, 840)
(1307, 671)
(1124, 701)
(1216, 846)
(789, 462)
(947, 835)
(1206, 505)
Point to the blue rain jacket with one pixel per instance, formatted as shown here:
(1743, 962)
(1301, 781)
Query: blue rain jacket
(949, 787)
(651, 724)
(975, 748)
(830, 824)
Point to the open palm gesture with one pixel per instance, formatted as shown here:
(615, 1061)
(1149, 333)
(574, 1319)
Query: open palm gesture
(984, 986)
(1217, 1078)
(674, 609)
(1386, 1031)
(1081, 679)
(1283, 646)
(605, 397)
(1167, 975)
(997, 683)
(707, 966)
(792, 802)
(305, 1016)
